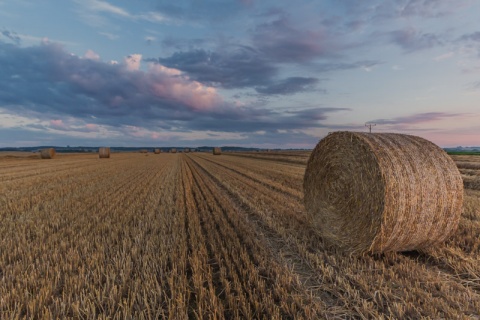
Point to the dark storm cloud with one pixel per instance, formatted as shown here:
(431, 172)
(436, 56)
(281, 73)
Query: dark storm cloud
(288, 86)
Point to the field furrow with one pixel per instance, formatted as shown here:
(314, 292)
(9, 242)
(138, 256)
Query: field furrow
(190, 236)
(347, 285)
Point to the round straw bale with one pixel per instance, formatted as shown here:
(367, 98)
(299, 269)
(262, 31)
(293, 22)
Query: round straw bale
(173, 150)
(380, 192)
(217, 151)
(104, 152)
(157, 151)
(48, 153)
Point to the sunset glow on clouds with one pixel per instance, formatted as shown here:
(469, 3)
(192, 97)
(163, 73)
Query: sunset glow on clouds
(269, 73)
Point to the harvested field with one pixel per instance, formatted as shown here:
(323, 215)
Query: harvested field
(194, 235)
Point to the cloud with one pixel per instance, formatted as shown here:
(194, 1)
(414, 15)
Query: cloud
(92, 55)
(103, 6)
(150, 39)
(417, 118)
(11, 35)
(261, 119)
(48, 79)
(473, 86)
(429, 8)
(281, 41)
(412, 40)
(47, 83)
(289, 85)
(132, 62)
(381, 10)
(93, 13)
(444, 56)
(233, 67)
(110, 36)
(152, 16)
(475, 37)
(245, 67)
(341, 66)
(205, 11)
(58, 124)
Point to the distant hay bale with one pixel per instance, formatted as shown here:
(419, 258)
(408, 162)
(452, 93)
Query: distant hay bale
(143, 151)
(104, 152)
(217, 151)
(157, 151)
(380, 192)
(173, 150)
(186, 150)
(48, 153)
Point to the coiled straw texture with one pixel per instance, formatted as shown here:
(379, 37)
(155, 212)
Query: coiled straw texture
(380, 192)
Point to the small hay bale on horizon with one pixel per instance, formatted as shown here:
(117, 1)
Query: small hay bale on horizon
(173, 150)
(48, 153)
(217, 151)
(157, 151)
(143, 151)
(381, 192)
(104, 152)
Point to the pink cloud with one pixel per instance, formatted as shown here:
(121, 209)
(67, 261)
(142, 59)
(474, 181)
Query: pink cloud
(92, 55)
(132, 62)
(91, 127)
(57, 124)
(155, 135)
(169, 83)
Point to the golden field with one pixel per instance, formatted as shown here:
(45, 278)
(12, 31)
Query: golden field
(186, 236)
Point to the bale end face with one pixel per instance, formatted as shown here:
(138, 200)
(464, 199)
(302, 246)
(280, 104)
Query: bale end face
(104, 153)
(47, 153)
(382, 192)
(217, 151)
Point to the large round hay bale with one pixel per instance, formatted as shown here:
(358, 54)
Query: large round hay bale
(104, 152)
(157, 151)
(48, 153)
(217, 151)
(379, 192)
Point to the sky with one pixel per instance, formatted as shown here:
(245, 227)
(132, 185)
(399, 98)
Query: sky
(251, 73)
